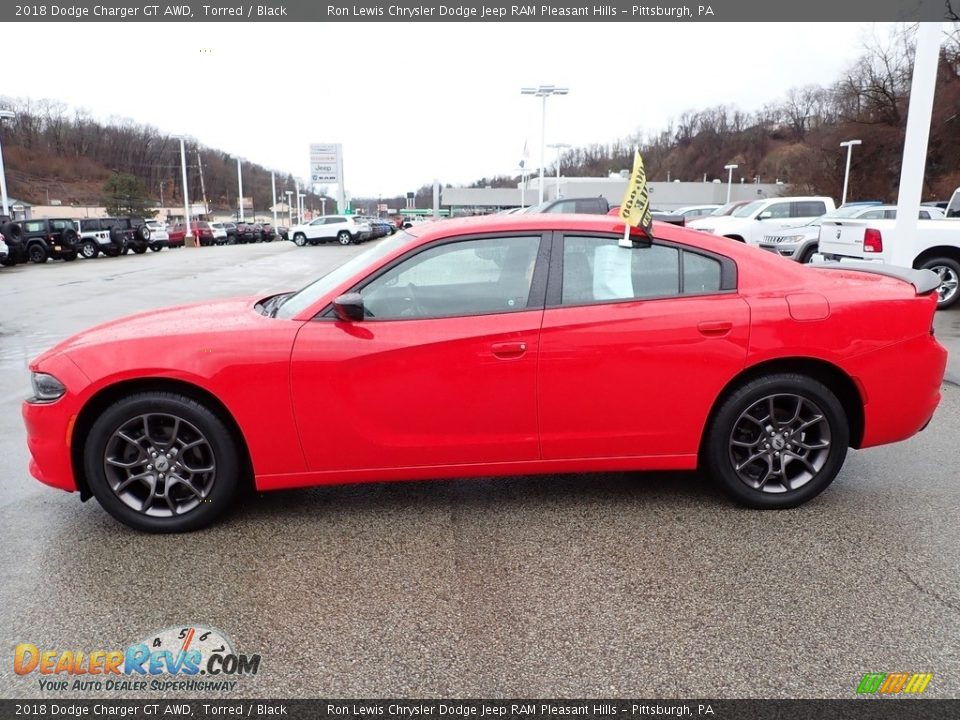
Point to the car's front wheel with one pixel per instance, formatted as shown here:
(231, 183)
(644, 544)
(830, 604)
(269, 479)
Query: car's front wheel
(299, 239)
(777, 441)
(162, 462)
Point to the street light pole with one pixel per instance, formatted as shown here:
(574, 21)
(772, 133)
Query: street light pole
(289, 193)
(273, 183)
(188, 237)
(296, 187)
(543, 92)
(848, 144)
(4, 115)
(730, 169)
(240, 189)
(300, 205)
(559, 147)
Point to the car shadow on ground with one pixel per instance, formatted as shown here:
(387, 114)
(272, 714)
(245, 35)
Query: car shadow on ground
(672, 489)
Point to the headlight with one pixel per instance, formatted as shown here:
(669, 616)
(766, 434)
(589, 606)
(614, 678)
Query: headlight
(46, 388)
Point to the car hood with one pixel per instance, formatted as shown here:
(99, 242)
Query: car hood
(198, 319)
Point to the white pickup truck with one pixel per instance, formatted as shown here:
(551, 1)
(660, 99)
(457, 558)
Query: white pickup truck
(936, 246)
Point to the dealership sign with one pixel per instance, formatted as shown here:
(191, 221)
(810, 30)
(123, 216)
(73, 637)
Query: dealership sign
(326, 163)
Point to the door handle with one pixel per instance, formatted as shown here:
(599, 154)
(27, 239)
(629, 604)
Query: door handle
(507, 350)
(715, 328)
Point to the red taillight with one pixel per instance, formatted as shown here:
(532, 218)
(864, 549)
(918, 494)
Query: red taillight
(872, 241)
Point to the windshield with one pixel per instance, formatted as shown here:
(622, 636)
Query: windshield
(748, 209)
(849, 211)
(301, 300)
(535, 208)
(725, 209)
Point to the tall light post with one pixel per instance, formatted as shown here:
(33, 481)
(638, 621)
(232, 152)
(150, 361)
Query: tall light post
(188, 237)
(273, 184)
(323, 205)
(4, 115)
(296, 188)
(289, 194)
(300, 205)
(240, 189)
(543, 92)
(559, 147)
(729, 169)
(848, 144)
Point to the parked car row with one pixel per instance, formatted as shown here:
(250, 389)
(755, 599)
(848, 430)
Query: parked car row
(42, 239)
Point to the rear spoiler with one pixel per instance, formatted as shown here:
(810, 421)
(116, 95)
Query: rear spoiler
(923, 281)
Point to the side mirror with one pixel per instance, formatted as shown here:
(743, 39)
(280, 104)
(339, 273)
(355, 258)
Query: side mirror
(765, 215)
(349, 307)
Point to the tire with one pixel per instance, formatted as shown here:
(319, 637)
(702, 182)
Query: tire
(89, 249)
(148, 419)
(807, 254)
(143, 233)
(949, 271)
(343, 237)
(37, 254)
(69, 256)
(231, 239)
(125, 251)
(139, 249)
(116, 237)
(11, 231)
(69, 238)
(741, 430)
(111, 252)
(156, 248)
(299, 239)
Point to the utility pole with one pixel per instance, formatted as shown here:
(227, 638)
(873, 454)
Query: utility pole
(203, 189)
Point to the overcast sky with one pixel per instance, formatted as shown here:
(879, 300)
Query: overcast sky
(410, 102)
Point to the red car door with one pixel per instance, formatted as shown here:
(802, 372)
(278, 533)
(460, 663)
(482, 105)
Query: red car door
(441, 372)
(635, 347)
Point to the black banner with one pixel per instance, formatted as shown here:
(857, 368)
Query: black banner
(619, 11)
(862, 709)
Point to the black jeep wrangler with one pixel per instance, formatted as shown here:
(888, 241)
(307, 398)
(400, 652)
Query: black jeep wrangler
(130, 233)
(47, 238)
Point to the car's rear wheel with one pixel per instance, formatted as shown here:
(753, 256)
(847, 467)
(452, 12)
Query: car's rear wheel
(156, 247)
(777, 441)
(299, 239)
(161, 462)
(343, 237)
(139, 249)
(69, 256)
(89, 249)
(37, 253)
(949, 271)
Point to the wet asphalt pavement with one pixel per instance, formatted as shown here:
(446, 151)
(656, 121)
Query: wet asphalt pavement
(605, 585)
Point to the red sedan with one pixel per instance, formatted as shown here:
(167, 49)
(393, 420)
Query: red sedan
(495, 346)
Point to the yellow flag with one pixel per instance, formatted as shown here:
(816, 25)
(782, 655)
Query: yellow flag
(635, 208)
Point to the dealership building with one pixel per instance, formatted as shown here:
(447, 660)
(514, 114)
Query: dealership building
(664, 196)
